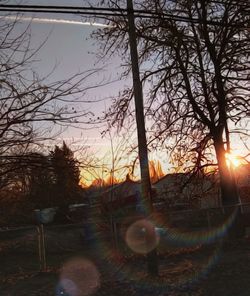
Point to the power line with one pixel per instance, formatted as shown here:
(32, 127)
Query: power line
(60, 12)
(108, 12)
(102, 9)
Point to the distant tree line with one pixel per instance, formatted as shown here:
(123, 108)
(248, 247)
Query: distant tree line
(37, 180)
(34, 109)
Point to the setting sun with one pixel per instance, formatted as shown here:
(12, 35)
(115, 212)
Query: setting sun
(233, 159)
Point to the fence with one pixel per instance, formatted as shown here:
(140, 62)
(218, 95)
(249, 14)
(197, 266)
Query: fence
(35, 248)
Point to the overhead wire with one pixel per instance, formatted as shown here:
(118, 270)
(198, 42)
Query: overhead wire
(109, 12)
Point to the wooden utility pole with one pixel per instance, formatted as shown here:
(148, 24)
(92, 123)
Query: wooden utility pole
(141, 133)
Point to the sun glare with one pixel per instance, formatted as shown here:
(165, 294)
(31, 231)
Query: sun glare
(233, 160)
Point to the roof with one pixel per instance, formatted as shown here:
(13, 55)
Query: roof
(121, 190)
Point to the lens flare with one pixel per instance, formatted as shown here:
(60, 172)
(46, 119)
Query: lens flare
(79, 277)
(233, 160)
(141, 237)
(182, 242)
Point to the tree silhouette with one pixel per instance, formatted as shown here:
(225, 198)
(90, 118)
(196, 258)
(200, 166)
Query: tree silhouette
(194, 60)
(40, 177)
(66, 175)
(32, 108)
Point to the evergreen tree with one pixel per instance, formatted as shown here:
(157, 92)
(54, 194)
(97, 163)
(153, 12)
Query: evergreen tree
(66, 175)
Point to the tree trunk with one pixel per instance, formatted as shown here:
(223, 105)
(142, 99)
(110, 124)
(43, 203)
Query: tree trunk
(229, 194)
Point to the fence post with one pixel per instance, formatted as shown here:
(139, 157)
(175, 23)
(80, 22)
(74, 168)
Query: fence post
(208, 220)
(41, 248)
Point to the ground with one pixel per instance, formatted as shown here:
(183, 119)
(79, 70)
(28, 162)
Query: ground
(218, 268)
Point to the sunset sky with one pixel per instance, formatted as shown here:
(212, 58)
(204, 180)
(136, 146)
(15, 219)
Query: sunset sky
(71, 49)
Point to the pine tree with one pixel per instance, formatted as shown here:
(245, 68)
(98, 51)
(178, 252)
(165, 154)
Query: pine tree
(66, 175)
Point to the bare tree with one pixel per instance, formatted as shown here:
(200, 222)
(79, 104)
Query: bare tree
(195, 61)
(31, 108)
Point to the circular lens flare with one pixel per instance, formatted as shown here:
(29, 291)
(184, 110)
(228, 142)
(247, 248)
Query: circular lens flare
(168, 238)
(79, 277)
(141, 237)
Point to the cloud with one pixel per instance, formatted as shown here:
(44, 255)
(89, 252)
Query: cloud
(53, 21)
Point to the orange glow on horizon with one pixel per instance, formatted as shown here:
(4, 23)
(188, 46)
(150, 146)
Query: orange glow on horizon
(105, 179)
